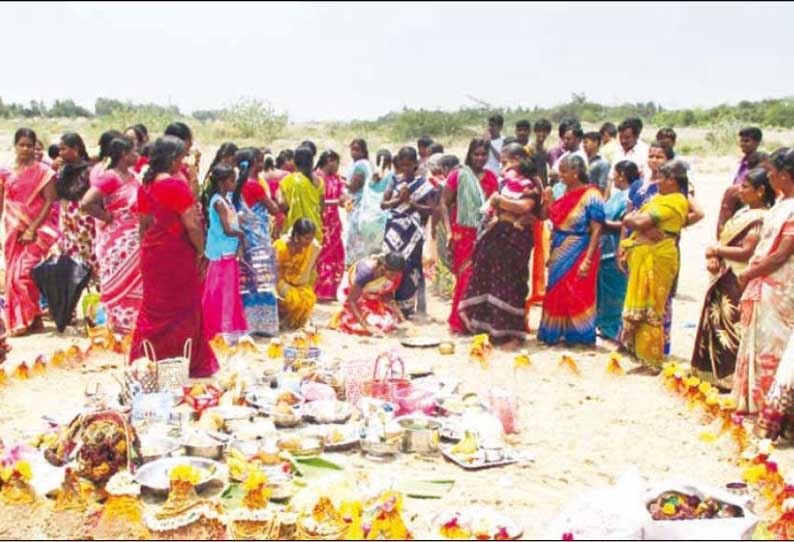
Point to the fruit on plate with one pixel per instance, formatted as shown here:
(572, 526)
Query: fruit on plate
(467, 445)
(211, 421)
(288, 397)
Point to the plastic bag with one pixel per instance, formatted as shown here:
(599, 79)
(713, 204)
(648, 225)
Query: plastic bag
(610, 513)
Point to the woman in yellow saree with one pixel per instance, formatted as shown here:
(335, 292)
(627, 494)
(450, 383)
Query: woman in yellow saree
(651, 253)
(296, 258)
(301, 194)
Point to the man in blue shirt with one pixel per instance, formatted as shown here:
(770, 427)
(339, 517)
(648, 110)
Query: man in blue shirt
(597, 167)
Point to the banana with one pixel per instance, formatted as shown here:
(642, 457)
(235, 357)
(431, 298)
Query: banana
(467, 445)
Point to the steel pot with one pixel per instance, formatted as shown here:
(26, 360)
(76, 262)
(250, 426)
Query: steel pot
(420, 435)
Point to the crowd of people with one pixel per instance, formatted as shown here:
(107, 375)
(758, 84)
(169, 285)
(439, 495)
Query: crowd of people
(588, 227)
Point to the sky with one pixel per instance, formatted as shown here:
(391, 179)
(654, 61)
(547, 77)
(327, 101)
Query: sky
(344, 61)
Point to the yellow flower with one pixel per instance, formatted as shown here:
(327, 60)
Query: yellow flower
(613, 367)
(24, 470)
(668, 509)
(728, 404)
(275, 349)
(705, 388)
(570, 363)
(669, 369)
(692, 382)
(754, 473)
(255, 479)
(6, 473)
(39, 366)
(712, 399)
(522, 360)
(185, 473)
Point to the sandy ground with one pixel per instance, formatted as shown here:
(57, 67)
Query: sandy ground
(583, 431)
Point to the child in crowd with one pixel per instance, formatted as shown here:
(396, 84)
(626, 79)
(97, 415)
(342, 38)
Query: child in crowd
(222, 304)
(518, 183)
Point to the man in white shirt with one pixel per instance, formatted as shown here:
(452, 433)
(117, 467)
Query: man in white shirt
(572, 143)
(631, 148)
(495, 125)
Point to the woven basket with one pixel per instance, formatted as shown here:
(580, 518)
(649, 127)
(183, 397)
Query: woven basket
(388, 385)
(172, 373)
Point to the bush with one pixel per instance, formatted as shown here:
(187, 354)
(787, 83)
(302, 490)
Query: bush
(250, 118)
(68, 109)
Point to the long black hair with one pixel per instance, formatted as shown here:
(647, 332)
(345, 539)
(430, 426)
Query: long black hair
(283, 157)
(301, 227)
(25, 132)
(383, 155)
(759, 178)
(74, 141)
(139, 132)
(361, 144)
(166, 149)
(629, 169)
(73, 181)
(225, 150)
(311, 145)
(117, 148)
(304, 161)
(179, 130)
(244, 158)
(142, 129)
(217, 175)
(327, 156)
(473, 145)
(104, 142)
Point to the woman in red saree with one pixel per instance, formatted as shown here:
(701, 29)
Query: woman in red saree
(27, 194)
(112, 202)
(275, 171)
(569, 307)
(172, 263)
(331, 262)
(466, 191)
(367, 292)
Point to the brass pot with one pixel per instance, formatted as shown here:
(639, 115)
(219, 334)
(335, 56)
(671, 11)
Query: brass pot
(446, 348)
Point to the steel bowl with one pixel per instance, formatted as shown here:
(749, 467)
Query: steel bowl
(156, 447)
(420, 435)
(208, 448)
(156, 475)
(385, 448)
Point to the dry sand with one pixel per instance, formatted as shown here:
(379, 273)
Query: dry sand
(583, 431)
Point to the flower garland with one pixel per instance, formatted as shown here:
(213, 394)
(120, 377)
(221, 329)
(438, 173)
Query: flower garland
(773, 496)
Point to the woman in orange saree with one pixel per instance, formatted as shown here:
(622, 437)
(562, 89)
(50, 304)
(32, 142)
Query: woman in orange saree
(27, 194)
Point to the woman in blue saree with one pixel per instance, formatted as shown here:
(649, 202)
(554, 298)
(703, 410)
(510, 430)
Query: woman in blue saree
(258, 268)
(410, 202)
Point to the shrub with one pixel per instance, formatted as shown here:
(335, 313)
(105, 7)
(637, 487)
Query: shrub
(250, 118)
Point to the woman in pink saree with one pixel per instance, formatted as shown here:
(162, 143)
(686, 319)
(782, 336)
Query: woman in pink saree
(112, 201)
(331, 262)
(27, 194)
